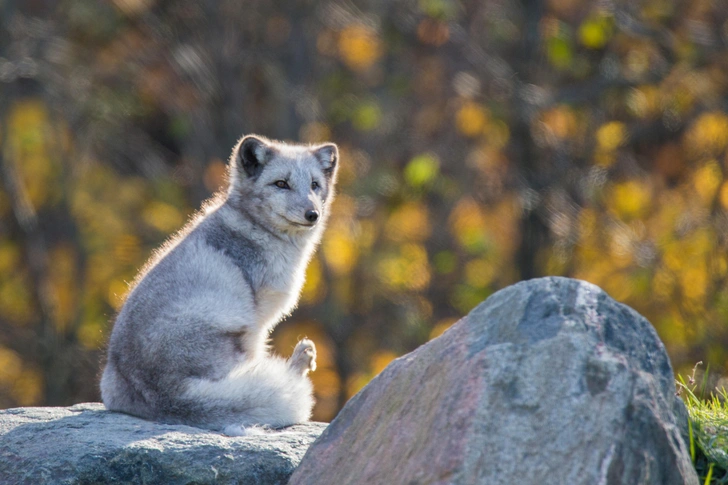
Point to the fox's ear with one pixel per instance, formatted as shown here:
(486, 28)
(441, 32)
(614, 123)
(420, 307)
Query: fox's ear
(328, 157)
(252, 155)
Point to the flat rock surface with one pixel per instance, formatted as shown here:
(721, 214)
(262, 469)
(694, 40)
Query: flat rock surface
(86, 444)
(549, 381)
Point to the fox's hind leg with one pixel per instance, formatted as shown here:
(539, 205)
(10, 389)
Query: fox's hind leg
(303, 358)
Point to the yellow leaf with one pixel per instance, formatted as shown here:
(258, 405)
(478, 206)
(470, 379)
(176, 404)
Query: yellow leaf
(611, 135)
(315, 287)
(595, 31)
(359, 47)
(479, 273)
(164, 217)
(28, 388)
(618, 286)
(380, 360)
(560, 51)
(422, 169)
(339, 248)
(116, 295)
(471, 119)
(441, 326)
(468, 224)
(694, 281)
(127, 249)
(10, 366)
(643, 101)
(561, 121)
(26, 116)
(15, 298)
(90, 335)
(356, 382)
(718, 266)
(674, 257)
(366, 234)
(630, 199)
(407, 269)
(409, 222)
(663, 284)
(29, 132)
(367, 116)
(724, 195)
(707, 179)
(709, 134)
(498, 133)
(9, 256)
(326, 382)
(587, 222)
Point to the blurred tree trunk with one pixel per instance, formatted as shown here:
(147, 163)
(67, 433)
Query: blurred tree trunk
(534, 233)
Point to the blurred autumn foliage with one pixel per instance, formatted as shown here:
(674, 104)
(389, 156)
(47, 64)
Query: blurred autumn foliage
(483, 142)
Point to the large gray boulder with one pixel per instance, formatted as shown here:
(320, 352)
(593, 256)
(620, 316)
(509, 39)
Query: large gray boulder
(84, 444)
(549, 381)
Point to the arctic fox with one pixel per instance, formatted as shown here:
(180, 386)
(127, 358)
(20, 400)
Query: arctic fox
(189, 344)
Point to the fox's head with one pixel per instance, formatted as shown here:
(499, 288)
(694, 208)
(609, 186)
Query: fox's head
(287, 186)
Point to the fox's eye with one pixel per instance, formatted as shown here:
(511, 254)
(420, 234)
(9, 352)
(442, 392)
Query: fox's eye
(282, 184)
(314, 185)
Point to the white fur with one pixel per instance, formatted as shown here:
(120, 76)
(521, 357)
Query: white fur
(268, 389)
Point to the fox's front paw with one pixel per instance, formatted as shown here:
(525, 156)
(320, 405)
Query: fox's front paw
(303, 359)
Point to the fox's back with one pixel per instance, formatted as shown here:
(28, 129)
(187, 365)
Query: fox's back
(178, 321)
(191, 280)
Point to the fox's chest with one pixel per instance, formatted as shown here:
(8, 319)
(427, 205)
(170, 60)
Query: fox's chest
(279, 293)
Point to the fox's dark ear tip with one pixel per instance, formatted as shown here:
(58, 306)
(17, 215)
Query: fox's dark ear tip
(252, 153)
(252, 139)
(328, 156)
(329, 150)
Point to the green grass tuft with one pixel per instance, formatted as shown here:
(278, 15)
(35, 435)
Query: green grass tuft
(708, 429)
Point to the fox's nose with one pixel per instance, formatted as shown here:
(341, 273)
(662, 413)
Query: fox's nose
(312, 215)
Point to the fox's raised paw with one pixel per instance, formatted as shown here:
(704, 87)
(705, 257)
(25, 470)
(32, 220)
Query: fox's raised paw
(303, 359)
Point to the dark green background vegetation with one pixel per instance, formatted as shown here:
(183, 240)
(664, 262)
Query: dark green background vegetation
(482, 142)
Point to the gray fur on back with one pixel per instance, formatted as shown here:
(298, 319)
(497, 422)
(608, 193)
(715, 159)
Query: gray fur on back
(189, 344)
